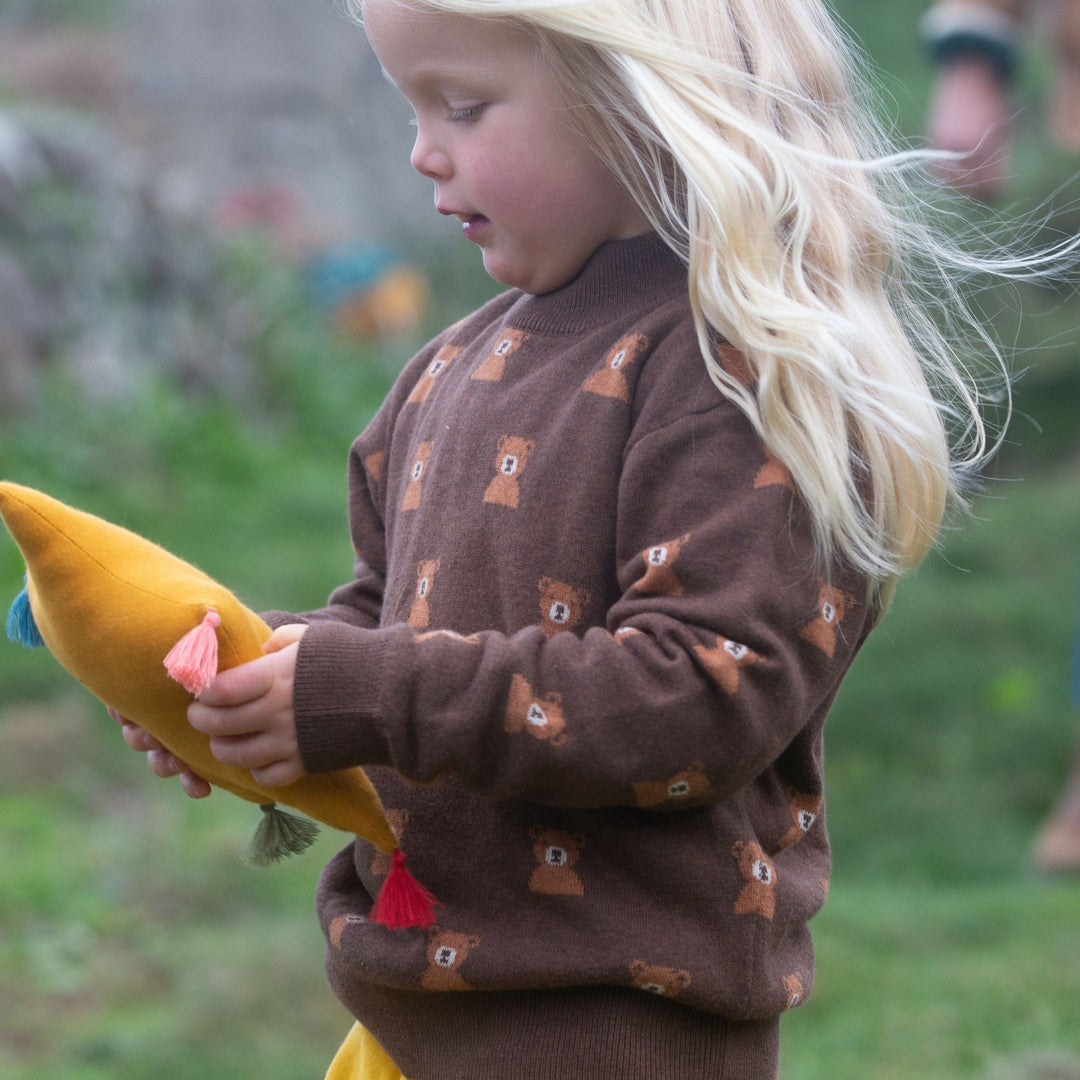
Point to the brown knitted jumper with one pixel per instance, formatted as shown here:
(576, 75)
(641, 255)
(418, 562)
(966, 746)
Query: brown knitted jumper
(589, 652)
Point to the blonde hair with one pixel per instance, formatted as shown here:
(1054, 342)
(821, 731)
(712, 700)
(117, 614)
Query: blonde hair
(736, 126)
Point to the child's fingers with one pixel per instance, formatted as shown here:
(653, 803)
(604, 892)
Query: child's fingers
(194, 785)
(165, 764)
(278, 774)
(138, 738)
(162, 763)
(241, 684)
(284, 635)
(250, 752)
(235, 722)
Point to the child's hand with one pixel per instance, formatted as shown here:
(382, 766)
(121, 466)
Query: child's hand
(161, 761)
(248, 713)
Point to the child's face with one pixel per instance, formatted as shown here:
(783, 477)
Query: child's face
(494, 136)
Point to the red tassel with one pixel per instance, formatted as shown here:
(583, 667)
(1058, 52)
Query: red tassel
(402, 901)
(193, 660)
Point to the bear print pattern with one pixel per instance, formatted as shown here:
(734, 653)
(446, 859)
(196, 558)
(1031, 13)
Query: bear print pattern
(493, 366)
(691, 783)
(443, 359)
(413, 489)
(773, 473)
(659, 577)
(541, 717)
(735, 364)
(610, 380)
(833, 605)
(561, 605)
(420, 613)
(510, 460)
(804, 810)
(373, 465)
(556, 855)
(723, 661)
(654, 979)
(758, 896)
(339, 925)
(446, 952)
(793, 987)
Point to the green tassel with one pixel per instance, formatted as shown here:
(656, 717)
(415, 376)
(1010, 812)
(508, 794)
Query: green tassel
(21, 626)
(279, 834)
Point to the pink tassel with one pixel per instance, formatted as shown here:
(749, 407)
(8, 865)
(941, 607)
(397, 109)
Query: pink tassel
(402, 901)
(193, 660)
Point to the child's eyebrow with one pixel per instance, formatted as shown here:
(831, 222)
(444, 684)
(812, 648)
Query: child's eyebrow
(457, 77)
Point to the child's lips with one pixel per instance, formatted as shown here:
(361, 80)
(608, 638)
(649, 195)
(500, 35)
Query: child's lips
(472, 225)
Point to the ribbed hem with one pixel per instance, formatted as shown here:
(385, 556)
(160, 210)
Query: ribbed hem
(336, 664)
(620, 273)
(593, 1032)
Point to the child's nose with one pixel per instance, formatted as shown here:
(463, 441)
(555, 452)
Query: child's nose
(429, 159)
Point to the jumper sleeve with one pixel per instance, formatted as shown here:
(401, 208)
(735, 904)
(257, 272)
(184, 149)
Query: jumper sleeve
(726, 640)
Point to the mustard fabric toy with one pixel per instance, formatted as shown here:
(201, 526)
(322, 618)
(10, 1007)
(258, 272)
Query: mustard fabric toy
(146, 631)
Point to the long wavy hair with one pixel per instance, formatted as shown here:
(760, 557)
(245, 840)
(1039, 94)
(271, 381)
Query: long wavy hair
(743, 130)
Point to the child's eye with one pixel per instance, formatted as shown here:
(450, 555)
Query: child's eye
(466, 114)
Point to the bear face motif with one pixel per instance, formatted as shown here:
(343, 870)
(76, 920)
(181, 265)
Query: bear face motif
(493, 366)
(561, 605)
(540, 717)
(556, 854)
(659, 578)
(414, 488)
(833, 605)
(654, 979)
(442, 360)
(610, 381)
(804, 810)
(446, 952)
(512, 456)
(420, 612)
(691, 783)
(723, 661)
(340, 924)
(758, 895)
(793, 987)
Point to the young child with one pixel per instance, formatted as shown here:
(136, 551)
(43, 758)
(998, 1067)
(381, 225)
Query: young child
(620, 534)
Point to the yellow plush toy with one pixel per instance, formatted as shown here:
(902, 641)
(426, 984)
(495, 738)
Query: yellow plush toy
(144, 631)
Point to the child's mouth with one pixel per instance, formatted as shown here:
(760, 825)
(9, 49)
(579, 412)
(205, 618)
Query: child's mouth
(473, 225)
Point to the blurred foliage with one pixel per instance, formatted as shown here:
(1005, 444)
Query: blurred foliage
(30, 13)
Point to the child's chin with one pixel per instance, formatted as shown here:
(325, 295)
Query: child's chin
(528, 277)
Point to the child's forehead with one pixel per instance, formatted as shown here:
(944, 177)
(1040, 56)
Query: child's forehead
(438, 46)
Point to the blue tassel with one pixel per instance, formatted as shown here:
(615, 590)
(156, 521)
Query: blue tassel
(20, 623)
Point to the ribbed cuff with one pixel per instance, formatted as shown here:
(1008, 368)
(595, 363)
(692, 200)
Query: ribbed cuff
(339, 674)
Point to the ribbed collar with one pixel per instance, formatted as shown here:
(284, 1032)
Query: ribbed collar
(618, 277)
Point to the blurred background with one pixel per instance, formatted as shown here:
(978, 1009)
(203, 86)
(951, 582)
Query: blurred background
(213, 260)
